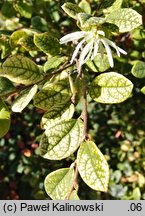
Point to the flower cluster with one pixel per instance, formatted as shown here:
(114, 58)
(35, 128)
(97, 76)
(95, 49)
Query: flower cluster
(92, 43)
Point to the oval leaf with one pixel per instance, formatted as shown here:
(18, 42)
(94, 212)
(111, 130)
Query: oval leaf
(126, 19)
(53, 116)
(6, 86)
(54, 62)
(110, 88)
(92, 166)
(47, 43)
(61, 140)
(53, 96)
(71, 9)
(57, 184)
(98, 64)
(4, 119)
(23, 99)
(20, 70)
(138, 70)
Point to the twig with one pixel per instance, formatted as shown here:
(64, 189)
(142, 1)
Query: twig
(47, 76)
(74, 183)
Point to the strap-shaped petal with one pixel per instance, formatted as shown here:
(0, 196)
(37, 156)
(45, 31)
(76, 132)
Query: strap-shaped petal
(84, 52)
(75, 53)
(72, 36)
(109, 53)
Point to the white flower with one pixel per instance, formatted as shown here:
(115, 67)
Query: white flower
(92, 43)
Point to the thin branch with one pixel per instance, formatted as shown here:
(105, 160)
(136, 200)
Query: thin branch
(74, 183)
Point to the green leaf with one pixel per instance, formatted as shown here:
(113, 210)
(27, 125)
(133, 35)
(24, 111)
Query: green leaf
(98, 64)
(28, 43)
(39, 23)
(23, 99)
(85, 6)
(53, 96)
(47, 43)
(61, 140)
(138, 69)
(6, 86)
(16, 36)
(71, 9)
(25, 9)
(4, 119)
(93, 166)
(110, 88)
(20, 70)
(143, 90)
(87, 21)
(74, 195)
(54, 62)
(115, 6)
(126, 19)
(53, 116)
(58, 183)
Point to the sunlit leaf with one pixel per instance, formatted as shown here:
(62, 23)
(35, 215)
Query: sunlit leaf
(53, 96)
(47, 43)
(20, 70)
(61, 140)
(74, 195)
(4, 119)
(54, 62)
(23, 99)
(126, 19)
(52, 116)
(98, 64)
(110, 88)
(138, 69)
(93, 166)
(58, 183)
(85, 6)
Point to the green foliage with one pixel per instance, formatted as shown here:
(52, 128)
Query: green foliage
(4, 119)
(32, 59)
(92, 166)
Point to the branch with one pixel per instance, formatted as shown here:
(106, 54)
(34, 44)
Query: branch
(74, 182)
(47, 76)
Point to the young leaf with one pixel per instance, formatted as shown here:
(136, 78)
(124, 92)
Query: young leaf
(23, 99)
(87, 21)
(110, 88)
(98, 64)
(4, 119)
(20, 70)
(126, 19)
(6, 86)
(61, 140)
(16, 36)
(85, 6)
(54, 62)
(92, 166)
(58, 183)
(71, 9)
(47, 43)
(138, 70)
(53, 116)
